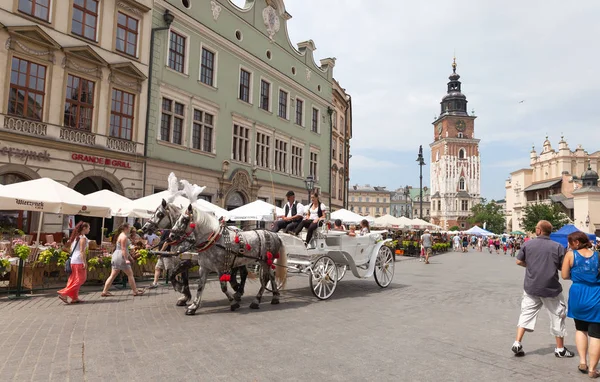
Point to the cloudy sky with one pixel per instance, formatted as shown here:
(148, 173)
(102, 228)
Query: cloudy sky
(394, 58)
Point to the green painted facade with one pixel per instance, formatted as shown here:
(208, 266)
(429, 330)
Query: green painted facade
(213, 25)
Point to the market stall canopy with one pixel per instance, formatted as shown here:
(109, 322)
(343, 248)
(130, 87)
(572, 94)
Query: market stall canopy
(388, 221)
(118, 204)
(420, 223)
(560, 236)
(517, 233)
(349, 217)
(255, 211)
(207, 206)
(146, 206)
(404, 221)
(478, 231)
(47, 195)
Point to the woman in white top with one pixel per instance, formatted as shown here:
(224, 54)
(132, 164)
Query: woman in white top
(364, 227)
(314, 217)
(79, 244)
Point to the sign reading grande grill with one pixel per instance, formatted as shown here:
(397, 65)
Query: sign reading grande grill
(100, 160)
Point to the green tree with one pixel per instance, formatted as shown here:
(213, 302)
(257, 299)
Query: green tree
(454, 228)
(489, 213)
(533, 213)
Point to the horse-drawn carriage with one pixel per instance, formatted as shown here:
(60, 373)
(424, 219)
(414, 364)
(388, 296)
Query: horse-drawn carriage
(331, 253)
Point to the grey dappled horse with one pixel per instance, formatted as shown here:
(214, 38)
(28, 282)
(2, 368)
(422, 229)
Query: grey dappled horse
(220, 248)
(164, 217)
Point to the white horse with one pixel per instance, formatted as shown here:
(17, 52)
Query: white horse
(221, 249)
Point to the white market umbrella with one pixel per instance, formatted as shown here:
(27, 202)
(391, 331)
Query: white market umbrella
(349, 217)
(403, 221)
(118, 204)
(47, 195)
(388, 221)
(475, 230)
(209, 207)
(257, 210)
(420, 223)
(146, 206)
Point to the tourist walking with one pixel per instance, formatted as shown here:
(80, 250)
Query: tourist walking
(79, 245)
(542, 259)
(121, 261)
(427, 243)
(465, 243)
(581, 266)
(164, 263)
(456, 241)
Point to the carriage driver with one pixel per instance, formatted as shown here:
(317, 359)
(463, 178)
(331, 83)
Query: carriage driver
(294, 212)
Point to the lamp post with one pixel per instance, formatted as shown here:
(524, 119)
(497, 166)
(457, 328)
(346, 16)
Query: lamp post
(421, 163)
(168, 19)
(310, 185)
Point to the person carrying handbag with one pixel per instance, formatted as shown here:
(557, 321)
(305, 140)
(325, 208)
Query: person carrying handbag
(78, 264)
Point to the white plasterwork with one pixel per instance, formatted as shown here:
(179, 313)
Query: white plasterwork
(216, 9)
(271, 21)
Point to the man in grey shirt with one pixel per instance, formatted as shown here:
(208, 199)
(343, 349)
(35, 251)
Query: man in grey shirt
(426, 243)
(542, 259)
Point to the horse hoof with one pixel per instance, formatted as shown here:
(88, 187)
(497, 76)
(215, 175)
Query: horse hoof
(237, 297)
(190, 312)
(254, 305)
(181, 303)
(274, 302)
(235, 307)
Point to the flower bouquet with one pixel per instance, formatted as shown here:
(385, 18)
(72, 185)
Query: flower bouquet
(21, 249)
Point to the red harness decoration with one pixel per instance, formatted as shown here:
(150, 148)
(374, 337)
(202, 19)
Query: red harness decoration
(212, 239)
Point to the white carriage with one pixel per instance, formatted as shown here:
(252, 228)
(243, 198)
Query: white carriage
(332, 253)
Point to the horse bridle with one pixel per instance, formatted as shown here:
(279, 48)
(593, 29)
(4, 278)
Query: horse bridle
(154, 225)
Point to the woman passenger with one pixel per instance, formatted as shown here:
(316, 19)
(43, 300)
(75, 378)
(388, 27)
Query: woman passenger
(364, 227)
(314, 218)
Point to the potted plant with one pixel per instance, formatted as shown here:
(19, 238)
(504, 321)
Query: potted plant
(53, 255)
(21, 249)
(4, 266)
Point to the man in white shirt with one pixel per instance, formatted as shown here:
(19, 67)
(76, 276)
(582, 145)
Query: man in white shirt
(293, 213)
(151, 238)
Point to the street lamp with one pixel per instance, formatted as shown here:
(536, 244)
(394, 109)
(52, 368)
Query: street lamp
(587, 221)
(421, 163)
(310, 185)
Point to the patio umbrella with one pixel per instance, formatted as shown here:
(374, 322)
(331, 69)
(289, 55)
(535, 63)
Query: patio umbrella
(207, 206)
(388, 221)
(349, 217)
(146, 206)
(118, 204)
(255, 211)
(47, 195)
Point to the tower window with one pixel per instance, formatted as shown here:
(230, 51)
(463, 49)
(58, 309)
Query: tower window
(461, 184)
(461, 153)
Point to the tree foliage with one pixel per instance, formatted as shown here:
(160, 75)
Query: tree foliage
(489, 213)
(533, 213)
(454, 228)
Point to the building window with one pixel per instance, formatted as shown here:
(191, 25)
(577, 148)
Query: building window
(202, 131)
(207, 67)
(377, 200)
(263, 150)
(334, 120)
(340, 185)
(359, 209)
(314, 165)
(241, 143)
(299, 111)
(121, 114)
(171, 121)
(244, 85)
(342, 123)
(461, 184)
(177, 52)
(208, 198)
(333, 147)
(333, 183)
(283, 103)
(296, 160)
(315, 120)
(27, 84)
(265, 93)
(461, 154)
(367, 199)
(39, 9)
(464, 205)
(85, 16)
(79, 104)
(127, 34)
(439, 205)
(280, 155)
(341, 152)
(360, 198)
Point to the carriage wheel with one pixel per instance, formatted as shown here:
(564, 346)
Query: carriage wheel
(341, 271)
(323, 278)
(384, 267)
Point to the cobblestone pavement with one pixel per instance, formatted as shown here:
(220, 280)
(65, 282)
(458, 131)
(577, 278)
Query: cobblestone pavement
(452, 320)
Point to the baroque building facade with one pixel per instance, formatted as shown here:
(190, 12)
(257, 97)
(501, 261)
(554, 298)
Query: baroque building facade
(235, 107)
(553, 176)
(341, 133)
(74, 98)
(455, 171)
(369, 200)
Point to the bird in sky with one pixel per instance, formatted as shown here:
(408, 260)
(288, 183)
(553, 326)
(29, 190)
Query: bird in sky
(521, 101)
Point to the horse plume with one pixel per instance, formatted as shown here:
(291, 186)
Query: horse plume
(192, 191)
(173, 188)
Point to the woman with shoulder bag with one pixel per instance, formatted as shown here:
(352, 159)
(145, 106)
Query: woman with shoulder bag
(121, 261)
(78, 264)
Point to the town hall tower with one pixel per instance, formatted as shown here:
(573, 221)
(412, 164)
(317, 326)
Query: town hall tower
(455, 164)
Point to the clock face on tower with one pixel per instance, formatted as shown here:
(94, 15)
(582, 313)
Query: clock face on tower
(460, 125)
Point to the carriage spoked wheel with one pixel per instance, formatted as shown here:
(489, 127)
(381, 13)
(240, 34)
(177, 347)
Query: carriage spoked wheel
(341, 271)
(384, 267)
(323, 277)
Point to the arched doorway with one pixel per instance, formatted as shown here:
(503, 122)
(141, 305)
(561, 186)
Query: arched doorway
(234, 200)
(87, 186)
(15, 219)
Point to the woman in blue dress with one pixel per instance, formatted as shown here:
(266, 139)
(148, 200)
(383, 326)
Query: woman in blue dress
(581, 266)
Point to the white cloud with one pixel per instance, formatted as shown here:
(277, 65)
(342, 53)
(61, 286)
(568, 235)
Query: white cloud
(361, 162)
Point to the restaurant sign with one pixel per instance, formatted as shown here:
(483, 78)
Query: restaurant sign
(23, 154)
(103, 161)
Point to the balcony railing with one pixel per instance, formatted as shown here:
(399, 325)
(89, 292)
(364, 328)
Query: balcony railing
(28, 127)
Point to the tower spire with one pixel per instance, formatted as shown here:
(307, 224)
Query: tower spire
(454, 102)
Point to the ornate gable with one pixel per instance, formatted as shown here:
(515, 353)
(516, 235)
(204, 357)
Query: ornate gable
(128, 75)
(84, 59)
(32, 39)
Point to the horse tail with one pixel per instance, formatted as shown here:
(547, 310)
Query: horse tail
(281, 268)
